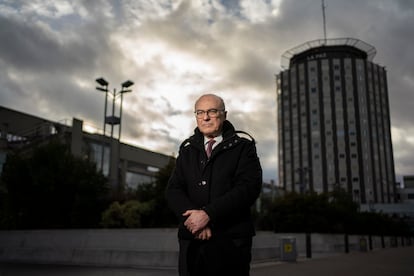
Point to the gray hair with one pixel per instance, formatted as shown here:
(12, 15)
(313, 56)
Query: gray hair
(212, 95)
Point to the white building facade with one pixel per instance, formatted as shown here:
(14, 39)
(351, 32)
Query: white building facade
(334, 121)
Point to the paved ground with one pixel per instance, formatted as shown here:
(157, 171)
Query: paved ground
(384, 262)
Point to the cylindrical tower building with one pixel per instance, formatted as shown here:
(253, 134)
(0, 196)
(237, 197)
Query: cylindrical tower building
(334, 121)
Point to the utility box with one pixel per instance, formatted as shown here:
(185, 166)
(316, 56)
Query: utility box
(288, 252)
(363, 246)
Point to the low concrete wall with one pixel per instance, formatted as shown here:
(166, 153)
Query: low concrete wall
(155, 247)
(120, 247)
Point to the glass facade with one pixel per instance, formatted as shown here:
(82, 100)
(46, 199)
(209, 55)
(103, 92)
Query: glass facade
(135, 173)
(100, 154)
(133, 180)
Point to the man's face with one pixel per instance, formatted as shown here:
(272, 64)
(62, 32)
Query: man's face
(210, 123)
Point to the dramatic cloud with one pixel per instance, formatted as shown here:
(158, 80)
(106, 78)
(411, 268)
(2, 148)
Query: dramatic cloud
(52, 52)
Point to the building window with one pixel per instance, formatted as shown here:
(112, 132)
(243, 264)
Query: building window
(2, 161)
(133, 180)
(96, 156)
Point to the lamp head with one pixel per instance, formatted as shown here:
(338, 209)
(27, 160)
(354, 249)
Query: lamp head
(102, 81)
(127, 84)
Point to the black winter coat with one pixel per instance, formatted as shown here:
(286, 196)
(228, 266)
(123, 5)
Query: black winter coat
(225, 186)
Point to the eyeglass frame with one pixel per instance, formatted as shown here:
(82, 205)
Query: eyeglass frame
(201, 113)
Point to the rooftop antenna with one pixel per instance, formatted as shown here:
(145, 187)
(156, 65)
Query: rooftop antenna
(324, 20)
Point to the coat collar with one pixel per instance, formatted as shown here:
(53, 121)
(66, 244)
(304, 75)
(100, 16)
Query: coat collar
(197, 139)
(228, 131)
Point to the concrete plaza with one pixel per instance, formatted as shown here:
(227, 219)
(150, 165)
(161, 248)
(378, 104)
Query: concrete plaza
(384, 262)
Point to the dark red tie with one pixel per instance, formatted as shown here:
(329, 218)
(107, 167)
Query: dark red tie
(210, 147)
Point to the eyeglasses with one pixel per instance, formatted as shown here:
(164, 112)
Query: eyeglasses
(212, 113)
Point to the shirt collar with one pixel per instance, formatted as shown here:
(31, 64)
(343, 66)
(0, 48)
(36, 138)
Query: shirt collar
(217, 138)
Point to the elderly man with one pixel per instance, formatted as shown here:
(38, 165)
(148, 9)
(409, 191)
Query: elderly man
(216, 181)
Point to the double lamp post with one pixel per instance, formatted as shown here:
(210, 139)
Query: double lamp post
(112, 120)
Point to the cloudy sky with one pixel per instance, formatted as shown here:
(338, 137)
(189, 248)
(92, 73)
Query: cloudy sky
(52, 51)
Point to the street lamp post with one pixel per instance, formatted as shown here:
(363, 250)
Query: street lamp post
(112, 119)
(104, 88)
(124, 85)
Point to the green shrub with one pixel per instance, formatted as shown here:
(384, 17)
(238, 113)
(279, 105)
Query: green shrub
(126, 215)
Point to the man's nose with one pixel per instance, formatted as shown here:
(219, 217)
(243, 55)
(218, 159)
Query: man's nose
(206, 117)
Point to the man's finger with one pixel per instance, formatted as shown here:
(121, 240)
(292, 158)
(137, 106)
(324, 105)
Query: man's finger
(188, 213)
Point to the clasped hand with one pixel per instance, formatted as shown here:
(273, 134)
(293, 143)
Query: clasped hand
(196, 223)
